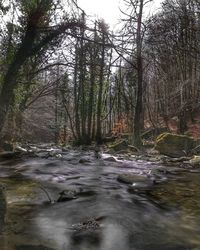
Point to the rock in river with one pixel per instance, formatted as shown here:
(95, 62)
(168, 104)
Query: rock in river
(110, 158)
(131, 178)
(88, 225)
(84, 160)
(67, 195)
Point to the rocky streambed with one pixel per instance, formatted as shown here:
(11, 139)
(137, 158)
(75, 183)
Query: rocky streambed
(74, 200)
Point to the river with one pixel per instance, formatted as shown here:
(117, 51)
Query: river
(162, 216)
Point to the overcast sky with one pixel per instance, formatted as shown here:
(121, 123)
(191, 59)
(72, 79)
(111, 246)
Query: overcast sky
(109, 9)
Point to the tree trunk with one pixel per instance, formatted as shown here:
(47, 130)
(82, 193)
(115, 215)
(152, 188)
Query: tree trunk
(139, 102)
(99, 103)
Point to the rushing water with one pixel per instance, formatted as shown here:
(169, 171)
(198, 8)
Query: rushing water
(165, 216)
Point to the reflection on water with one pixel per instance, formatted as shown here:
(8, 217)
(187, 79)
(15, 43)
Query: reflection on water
(166, 217)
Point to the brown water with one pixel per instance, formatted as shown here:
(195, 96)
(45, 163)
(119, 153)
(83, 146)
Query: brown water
(165, 216)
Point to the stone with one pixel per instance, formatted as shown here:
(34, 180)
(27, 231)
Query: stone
(131, 178)
(67, 195)
(110, 158)
(89, 225)
(20, 149)
(195, 161)
(84, 160)
(173, 145)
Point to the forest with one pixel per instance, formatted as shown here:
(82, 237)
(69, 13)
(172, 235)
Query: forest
(99, 126)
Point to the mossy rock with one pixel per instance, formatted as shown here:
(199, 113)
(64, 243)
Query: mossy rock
(174, 145)
(119, 146)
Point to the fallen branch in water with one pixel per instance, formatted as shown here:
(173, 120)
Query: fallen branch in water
(47, 194)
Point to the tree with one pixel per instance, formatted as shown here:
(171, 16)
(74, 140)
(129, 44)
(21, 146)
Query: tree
(173, 47)
(37, 34)
(133, 30)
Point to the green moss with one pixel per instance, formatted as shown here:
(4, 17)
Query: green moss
(18, 191)
(177, 193)
(175, 145)
(161, 136)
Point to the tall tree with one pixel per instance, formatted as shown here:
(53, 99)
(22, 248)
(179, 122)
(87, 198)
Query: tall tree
(37, 34)
(133, 30)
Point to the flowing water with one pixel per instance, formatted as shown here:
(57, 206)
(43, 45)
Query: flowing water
(164, 216)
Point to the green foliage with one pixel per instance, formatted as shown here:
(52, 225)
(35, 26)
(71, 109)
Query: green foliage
(33, 5)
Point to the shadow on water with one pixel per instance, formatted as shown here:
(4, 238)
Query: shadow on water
(165, 217)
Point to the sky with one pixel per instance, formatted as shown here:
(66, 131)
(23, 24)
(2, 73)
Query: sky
(109, 9)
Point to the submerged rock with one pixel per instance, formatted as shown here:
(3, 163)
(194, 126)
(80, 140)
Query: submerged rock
(84, 160)
(175, 145)
(131, 178)
(67, 195)
(88, 225)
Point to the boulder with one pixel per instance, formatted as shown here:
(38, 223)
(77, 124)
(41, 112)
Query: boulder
(174, 145)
